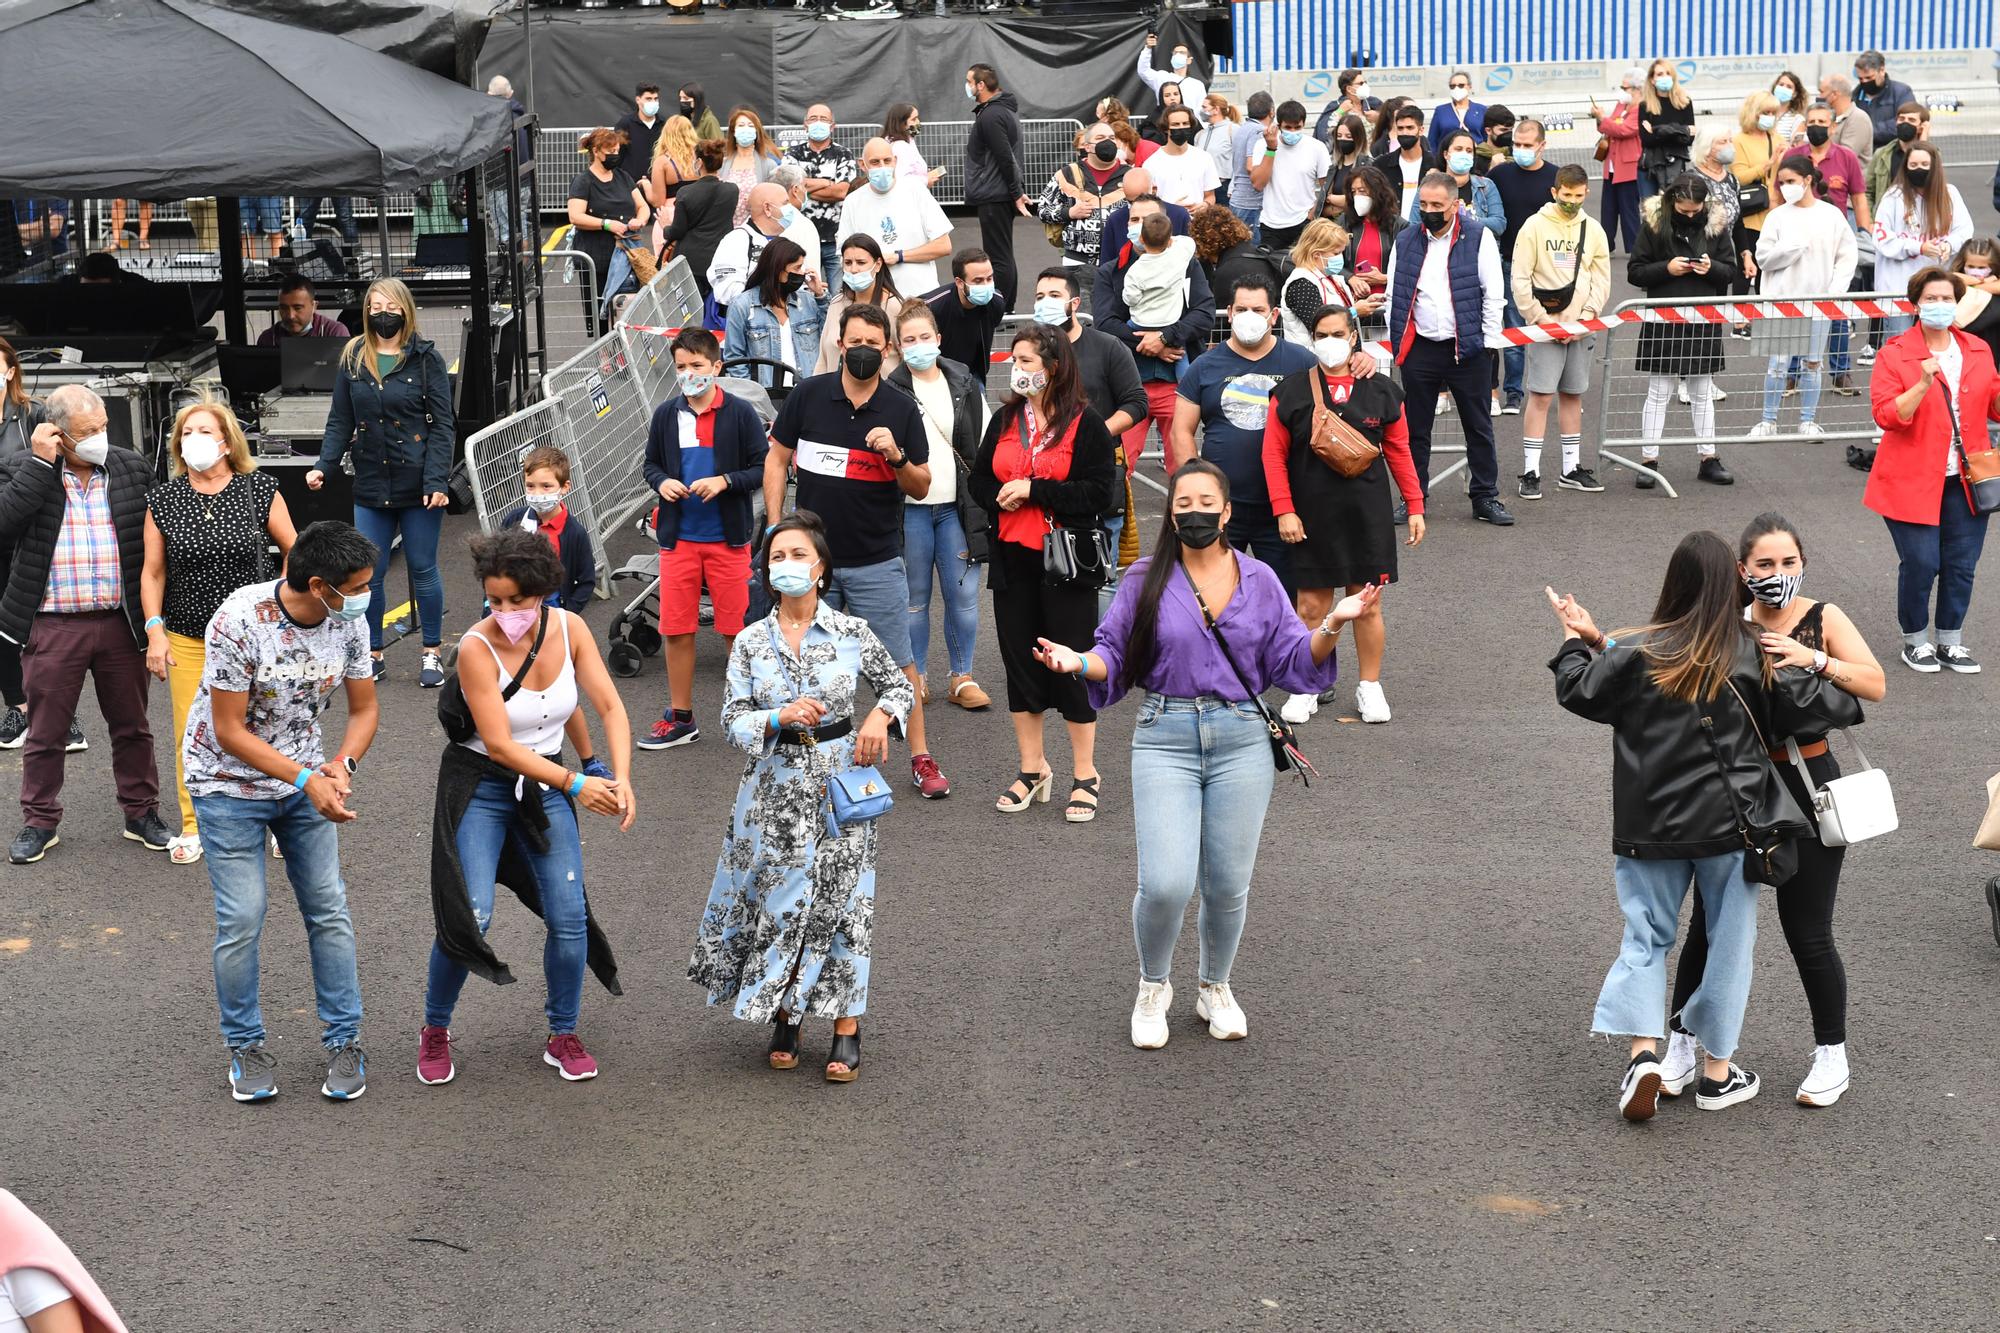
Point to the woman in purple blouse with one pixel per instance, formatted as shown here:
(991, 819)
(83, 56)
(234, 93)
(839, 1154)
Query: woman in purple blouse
(1201, 757)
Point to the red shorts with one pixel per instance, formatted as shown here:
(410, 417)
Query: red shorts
(726, 570)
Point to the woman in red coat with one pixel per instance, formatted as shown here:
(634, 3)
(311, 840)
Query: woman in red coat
(1933, 389)
(1620, 128)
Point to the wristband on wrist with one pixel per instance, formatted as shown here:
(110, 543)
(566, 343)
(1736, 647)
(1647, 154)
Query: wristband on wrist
(154, 620)
(575, 785)
(305, 776)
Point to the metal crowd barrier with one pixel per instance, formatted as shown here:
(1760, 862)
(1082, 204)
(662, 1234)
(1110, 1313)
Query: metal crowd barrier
(493, 458)
(569, 303)
(1776, 327)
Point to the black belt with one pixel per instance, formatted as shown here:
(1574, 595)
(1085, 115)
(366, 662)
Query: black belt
(825, 731)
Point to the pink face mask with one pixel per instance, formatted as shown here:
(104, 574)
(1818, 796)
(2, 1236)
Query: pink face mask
(516, 623)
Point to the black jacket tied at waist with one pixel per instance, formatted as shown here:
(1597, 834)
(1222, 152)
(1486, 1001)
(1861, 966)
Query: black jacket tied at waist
(458, 933)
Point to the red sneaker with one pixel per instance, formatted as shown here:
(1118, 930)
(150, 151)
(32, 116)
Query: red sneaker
(566, 1053)
(434, 1056)
(924, 770)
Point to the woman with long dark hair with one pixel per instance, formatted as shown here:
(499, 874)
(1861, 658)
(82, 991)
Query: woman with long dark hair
(1920, 222)
(1046, 466)
(1372, 222)
(1203, 630)
(864, 280)
(1689, 696)
(1794, 631)
(899, 127)
(774, 318)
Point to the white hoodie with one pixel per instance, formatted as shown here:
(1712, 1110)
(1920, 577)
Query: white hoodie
(1805, 249)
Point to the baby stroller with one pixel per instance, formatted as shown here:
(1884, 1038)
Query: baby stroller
(634, 633)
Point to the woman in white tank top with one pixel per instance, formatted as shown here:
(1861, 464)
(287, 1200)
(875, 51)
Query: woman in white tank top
(505, 811)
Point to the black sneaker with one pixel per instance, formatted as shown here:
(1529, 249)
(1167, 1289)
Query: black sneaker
(1861, 460)
(1401, 514)
(1712, 472)
(1512, 407)
(74, 741)
(1957, 658)
(14, 729)
(253, 1073)
(149, 832)
(669, 732)
(431, 674)
(1644, 480)
(1922, 658)
(1639, 1094)
(1490, 510)
(380, 667)
(1580, 479)
(31, 844)
(1720, 1094)
(1530, 487)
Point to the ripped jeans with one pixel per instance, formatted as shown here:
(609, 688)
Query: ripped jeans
(483, 834)
(934, 539)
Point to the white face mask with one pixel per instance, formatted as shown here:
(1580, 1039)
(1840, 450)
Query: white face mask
(1461, 94)
(200, 451)
(1362, 203)
(1332, 352)
(93, 449)
(1359, 92)
(1793, 191)
(1248, 327)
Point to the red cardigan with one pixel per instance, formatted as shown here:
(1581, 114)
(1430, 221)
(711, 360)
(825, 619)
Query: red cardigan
(1621, 127)
(1909, 466)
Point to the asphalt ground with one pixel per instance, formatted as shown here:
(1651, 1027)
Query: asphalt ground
(1419, 1132)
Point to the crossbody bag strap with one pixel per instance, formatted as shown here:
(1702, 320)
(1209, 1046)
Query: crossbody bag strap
(1729, 789)
(1208, 619)
(528, 663)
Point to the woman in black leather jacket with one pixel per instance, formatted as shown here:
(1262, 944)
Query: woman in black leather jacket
(1690, 697)
(392, 409)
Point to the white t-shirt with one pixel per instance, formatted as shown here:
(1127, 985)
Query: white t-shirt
(1183, 180)
(1295, 178)
(1412, 174)
(902, 219)
(934, 401)
(26, 1291)
(1951, 365)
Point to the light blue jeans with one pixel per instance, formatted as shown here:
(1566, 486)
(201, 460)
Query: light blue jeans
(934, 539)
(1808, 370)
(232, 843)
(1633, 1002)
(1201, 781)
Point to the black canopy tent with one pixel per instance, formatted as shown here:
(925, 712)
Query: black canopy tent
(168, 99)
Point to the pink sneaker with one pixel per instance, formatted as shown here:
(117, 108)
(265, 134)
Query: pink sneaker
(566, 1053)
(434, 1056)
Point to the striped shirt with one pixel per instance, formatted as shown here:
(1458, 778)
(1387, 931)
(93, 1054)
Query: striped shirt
(85, 574)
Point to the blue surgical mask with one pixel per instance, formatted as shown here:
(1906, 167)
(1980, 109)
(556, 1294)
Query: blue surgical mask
(694, 386)
(979, 293)
(1767, 123)
(1524, 157)
(352, 607)
(746, 135)
(1663, 83)
(970, 96)
(792, 578)
(1291, 138)
(882, 179)
(1051, 310)
(921, 356)
(1937, 314)
(858, 281)
(1335, 265)
(1460, 163)
(788, 217)
(819, 131)
(1179, 60)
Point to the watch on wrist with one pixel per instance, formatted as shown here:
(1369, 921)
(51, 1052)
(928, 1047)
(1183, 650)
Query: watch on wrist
(348, 762)
(1820, 663)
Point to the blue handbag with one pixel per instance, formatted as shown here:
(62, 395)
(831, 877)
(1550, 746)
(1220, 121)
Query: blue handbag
(855, 796)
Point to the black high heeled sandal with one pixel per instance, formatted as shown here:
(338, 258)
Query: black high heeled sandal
(1082, 807)
(784, 1052)
(846, 1051)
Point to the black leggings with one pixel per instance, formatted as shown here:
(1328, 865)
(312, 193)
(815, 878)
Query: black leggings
(1805, 910)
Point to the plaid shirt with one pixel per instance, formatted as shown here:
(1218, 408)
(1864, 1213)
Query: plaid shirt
(85, 574)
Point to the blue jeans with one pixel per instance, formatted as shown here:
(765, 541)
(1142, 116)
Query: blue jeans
(343, 213)
(829, 267)
(232, 843)
(420, 528)
(1633, 1002)
(483, 834)
(1249, 217)
(1201, 781)
(1944, 554)
(934, 539)
(1513, 359)
(617, 277)
(879, 594)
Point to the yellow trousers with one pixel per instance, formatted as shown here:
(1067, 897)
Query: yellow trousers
(183, 681)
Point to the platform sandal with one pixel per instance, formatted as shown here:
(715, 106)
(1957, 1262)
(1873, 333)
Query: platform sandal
(784, 1051)
(1038, 785)
(846, 1051)
(1081, 810)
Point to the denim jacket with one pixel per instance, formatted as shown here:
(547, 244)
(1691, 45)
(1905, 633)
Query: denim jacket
(752, 330)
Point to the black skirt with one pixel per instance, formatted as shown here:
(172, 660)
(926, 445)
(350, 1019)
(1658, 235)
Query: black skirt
(1350, 525)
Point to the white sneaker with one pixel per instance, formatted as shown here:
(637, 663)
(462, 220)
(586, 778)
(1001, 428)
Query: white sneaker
(1444, 404)
(1763, 428)
(184, 850)
(1811, 428)
(1149, 1014)
(1682, 1065)
(1828, 1077)
(1298, 709)
(1681, 391)
(1368, 698)
(1224, 1015)
(1716, 395)
(1493, 406)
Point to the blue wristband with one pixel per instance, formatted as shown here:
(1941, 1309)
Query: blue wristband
(305, 776)
(576, 786)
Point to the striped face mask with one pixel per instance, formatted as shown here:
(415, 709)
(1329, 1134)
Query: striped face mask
(1774, 590)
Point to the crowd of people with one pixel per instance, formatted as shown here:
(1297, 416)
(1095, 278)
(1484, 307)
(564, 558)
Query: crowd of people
(1220, 276)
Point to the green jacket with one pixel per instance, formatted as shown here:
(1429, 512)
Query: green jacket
(1882, 164)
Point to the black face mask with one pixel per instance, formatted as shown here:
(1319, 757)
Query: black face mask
(1406, 142)
(1919, 177)
(1682, 222)
(1816, 135)
(1435, 223)
(794, 281)
(1105, 151)
(1503, 141)
(687, 107)
(862, 362)
(1180, 134)
(385, 324)
(1197, 528)
(1343, 145)
(1906, 131)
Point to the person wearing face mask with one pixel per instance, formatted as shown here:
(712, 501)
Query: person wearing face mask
(1922, 223)
(864, 280)
(1798, 632)
(1561, 272)
(751, 158)
(899, 213)
(675, 166)
(831, 171)
(1317, 279)
(74, 510)
(900, 126)
(1526, 182)
(1666, 126)
(1154, 130)
(1204, 631)
(1457, 112)
(1287, 166)
(1847, 124)
(641, 128)
(1793, 97)
(1074, 202)
(605, 207)
(1154, 298)
(994, 154)
(1373, 235)
(1686, 253)
(1180, 73)
(1447, 295)
(1977, 264)
(392, 410)
(772, 215)
(787, 930)
(1105, 365)
(545, 510)
(1476, 192)
(774, 318)
(258, 770)
(968, 311)
(1618, 149)
(298, 316)
(703, 213)
(1347, 154)
(1757, 145)
(1913, 121)
(1878, 95)
(1219, 122)
(1498, 145)
(1411, 160)
(1121, 222)
(1805, 249)
(207, 530)
(1182, 173)
(694, 105)
(506, 810)
(1933, 384)
(1339, 528)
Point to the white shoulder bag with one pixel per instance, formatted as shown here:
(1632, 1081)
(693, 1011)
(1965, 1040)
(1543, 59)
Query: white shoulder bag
(1852, 808)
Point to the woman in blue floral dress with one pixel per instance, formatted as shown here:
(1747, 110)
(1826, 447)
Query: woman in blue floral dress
(789, 920)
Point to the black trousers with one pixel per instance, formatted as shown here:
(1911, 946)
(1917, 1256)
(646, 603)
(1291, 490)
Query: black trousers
(1254, 528)
(12, 692)
(1025, 609)
(1432, 368)
(1805, 910)
(996, 238)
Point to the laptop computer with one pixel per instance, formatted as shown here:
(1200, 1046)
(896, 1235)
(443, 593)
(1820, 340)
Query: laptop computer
(309, 365)
(443, 250)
